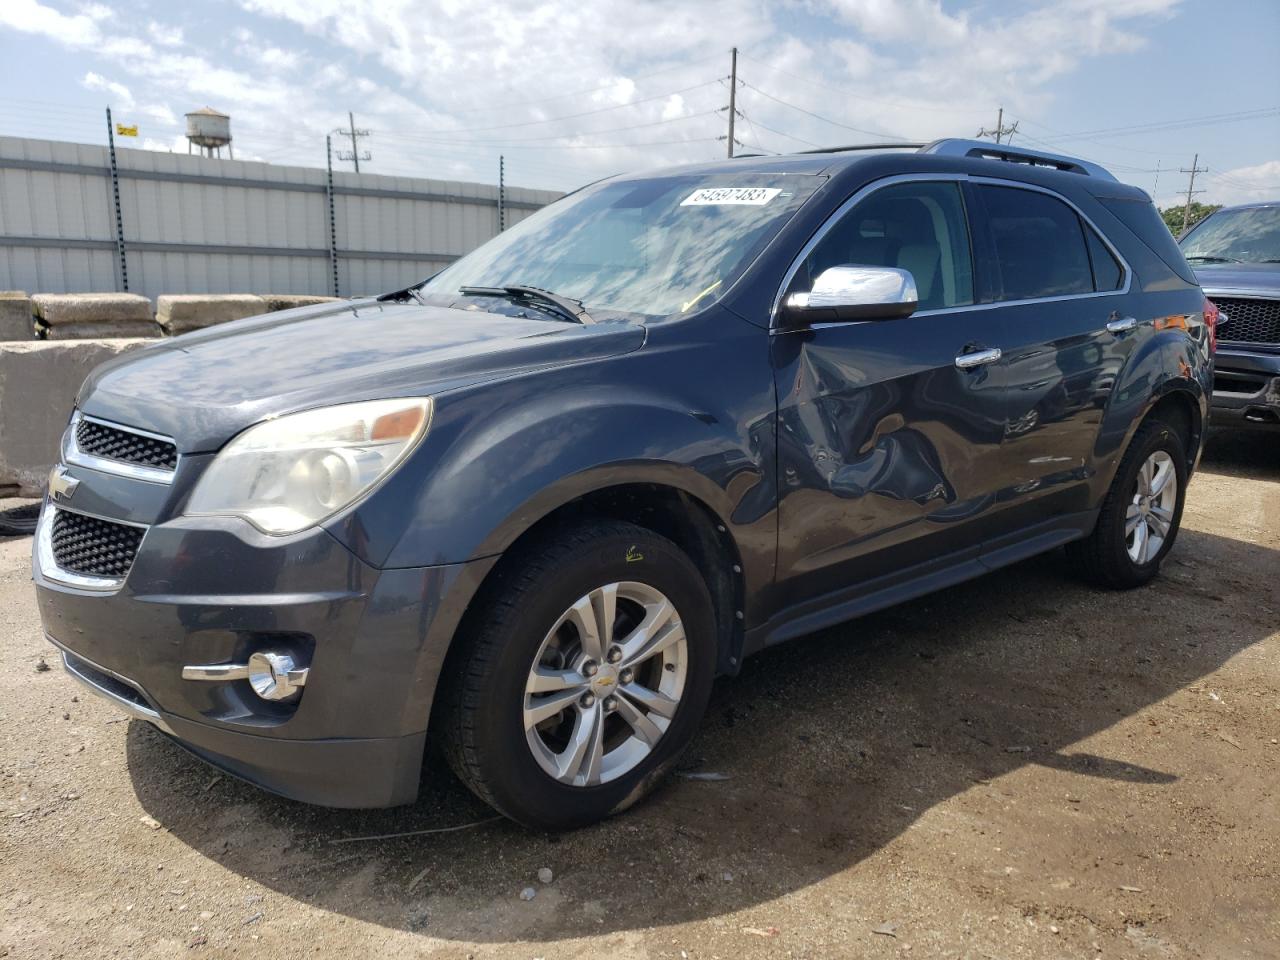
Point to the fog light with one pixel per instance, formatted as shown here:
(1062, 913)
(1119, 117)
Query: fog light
(273, 676)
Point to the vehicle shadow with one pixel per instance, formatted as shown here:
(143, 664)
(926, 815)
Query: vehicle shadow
(833, 745)
(1248, 454)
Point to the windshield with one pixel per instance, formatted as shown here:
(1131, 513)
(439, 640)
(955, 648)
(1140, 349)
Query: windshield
(1248, 235)
(653, 247)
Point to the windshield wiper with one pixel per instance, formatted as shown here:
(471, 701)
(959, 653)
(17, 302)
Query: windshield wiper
(1213, 258)
(573, 310)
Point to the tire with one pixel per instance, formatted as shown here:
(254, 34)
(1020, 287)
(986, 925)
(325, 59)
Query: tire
(530, 771)
(1106, 556)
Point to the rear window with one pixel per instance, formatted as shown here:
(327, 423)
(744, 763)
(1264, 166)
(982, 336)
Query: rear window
(1039, 244)
(1141, 217)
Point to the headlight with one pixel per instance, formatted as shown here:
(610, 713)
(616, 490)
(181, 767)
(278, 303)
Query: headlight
(288, 474)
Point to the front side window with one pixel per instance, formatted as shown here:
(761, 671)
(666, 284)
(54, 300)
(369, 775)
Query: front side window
(653, 247)
(916, 226)
(1039, 244)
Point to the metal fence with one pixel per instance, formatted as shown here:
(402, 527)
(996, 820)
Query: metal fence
(191, 224)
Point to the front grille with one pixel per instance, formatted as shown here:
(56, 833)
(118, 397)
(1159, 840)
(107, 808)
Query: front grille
(93, 546)
(1251, 321)
(113, 443)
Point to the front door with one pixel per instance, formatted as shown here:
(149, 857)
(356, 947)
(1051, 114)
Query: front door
(889, 432)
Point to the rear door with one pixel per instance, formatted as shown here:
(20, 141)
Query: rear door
(1065, 338)
(888, 449)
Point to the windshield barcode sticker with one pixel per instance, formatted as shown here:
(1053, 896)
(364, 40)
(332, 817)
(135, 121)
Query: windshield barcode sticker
(730, 196)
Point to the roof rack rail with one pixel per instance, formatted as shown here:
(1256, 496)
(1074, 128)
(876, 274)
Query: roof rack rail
(985, 149)
(865, 146)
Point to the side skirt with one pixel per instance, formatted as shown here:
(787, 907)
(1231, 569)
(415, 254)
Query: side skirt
(892, 589)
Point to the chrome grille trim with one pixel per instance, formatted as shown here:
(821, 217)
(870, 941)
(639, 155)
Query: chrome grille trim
(71, 452)
(48, 562)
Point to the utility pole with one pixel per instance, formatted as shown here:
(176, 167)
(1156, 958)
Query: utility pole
(115, 193)
(333, 226)
(1001, 130)
(1191, 184)
(733, 95)
(355, 156)
(502, 193)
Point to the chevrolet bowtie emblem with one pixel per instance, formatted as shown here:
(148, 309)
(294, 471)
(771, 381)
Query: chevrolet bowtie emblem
(61, 484)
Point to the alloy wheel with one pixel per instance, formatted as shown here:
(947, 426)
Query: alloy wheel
(605, 684)
(1149, 517)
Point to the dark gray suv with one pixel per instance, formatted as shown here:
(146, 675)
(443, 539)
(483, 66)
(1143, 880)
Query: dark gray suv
(534, 505)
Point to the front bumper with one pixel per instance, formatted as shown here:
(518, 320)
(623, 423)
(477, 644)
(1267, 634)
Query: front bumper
(1246, 389)
(215, 590)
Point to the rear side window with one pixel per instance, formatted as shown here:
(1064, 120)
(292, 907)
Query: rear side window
(1107, 273)
(917, 226)
(1039, 244)
(1141, 217)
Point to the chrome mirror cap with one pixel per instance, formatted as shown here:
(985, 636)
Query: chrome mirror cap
(854, 293)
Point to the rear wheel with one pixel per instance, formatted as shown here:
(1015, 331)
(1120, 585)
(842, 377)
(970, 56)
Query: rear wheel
(1142, 512)
(585, 678)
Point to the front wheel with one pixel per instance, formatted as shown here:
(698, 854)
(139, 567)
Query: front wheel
(1141, 513)
(585, 678)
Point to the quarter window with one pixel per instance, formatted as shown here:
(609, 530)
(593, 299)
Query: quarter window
(917, 226)
(1039, 244)
(1107, 273)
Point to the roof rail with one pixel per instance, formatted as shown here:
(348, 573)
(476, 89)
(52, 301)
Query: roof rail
(865, 146)
(985, 149)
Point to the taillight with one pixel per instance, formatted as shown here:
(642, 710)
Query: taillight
(1211, 313)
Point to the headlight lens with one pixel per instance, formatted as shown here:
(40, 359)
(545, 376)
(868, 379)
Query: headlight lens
(288, 474)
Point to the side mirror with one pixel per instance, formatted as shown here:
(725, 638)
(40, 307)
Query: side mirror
(853, 293)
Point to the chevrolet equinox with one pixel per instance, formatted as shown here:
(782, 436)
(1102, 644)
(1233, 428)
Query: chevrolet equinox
(535, 504)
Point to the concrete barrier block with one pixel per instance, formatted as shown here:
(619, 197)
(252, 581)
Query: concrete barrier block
(182, 312)
(15, 316)
(102, 331)
(54, 309)
(287, 301)
(38, 385)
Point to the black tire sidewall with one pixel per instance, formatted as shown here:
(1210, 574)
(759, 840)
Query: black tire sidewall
(1159, 437)
(520, 787)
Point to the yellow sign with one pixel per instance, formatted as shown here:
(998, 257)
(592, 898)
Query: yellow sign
(123, 131)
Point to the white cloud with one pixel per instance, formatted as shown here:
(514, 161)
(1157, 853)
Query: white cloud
(165, 35)
(30, 16)
(95, 81)
(446, 85)
(1243, 184)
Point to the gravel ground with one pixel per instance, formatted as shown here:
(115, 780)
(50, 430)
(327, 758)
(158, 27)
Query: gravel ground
(1020, 766)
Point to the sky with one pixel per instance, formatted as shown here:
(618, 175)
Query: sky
(568, 91)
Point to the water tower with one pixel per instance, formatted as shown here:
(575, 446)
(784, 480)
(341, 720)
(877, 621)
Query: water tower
(210, 131)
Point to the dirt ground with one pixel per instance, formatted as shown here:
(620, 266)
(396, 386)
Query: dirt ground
(1021, 766)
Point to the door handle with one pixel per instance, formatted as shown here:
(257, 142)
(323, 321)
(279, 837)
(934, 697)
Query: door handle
(1121, 324)
(978, 358)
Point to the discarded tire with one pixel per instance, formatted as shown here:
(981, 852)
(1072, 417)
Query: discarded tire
(19, 521)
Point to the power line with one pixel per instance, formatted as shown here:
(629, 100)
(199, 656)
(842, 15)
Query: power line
(558, 136)
(847, 92)
(354, 156)
(818, 116)
(789, 136)
(1162, 125)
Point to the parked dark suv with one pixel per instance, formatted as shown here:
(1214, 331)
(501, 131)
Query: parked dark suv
(535, 504)
(1236, 255)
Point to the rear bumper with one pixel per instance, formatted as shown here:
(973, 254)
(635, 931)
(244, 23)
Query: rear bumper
(1246, 389)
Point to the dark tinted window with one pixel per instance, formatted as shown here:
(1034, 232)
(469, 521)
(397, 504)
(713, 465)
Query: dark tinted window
(918, 227)
(1039, 244)
(1143, 219)
(1107, 272)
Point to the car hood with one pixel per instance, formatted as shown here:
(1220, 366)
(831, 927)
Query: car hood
(205, 387)
(1257, 278)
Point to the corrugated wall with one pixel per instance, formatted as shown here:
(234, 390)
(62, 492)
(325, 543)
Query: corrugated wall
(200, 225)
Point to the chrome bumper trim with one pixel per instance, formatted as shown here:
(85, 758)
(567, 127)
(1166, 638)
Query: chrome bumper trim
(128, 706)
